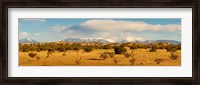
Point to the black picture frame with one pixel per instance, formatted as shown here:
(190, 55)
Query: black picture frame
(194, 4)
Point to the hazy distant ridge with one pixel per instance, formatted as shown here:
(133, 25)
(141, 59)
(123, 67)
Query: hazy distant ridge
(121, 41)
(101, 40)
(28, 41)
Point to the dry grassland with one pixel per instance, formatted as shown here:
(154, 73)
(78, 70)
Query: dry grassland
(80, 58)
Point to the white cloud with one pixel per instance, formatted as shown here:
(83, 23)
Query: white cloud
(130, 38)
(115, 30)
(112, 39)
(110, 25)
(23, 34)
(59, 28)
(33, 19)
(139, 39)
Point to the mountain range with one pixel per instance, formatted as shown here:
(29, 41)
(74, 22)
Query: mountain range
(121, 41)
(101, 40)
(28, 41)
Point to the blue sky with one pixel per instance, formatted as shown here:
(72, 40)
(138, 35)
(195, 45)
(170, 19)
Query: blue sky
(50, 29)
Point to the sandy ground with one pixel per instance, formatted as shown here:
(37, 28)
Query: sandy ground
(71, 58)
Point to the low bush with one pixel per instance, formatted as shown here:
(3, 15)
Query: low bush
(158, 60)
(127, 55)
(173, 56)
(78, 61)
(112, 55)
(107, 47)
(133, 47)
(51, 50)
(132, 61)
(120, 50)
(38, 58)
(76, 48)
(88, 49)
(153, 49)
(32, 55)
(103, 56)
(115, 60)
(171, 49)
(64, 54)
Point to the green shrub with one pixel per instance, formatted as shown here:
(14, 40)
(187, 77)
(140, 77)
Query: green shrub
(158, 60)
(103, 56)
(153, 49)
(38, 58)
(115, 60)
(112, 55)
(78, 61)
(61, 49)
(32, 55)
(132, 61)
(88, 49)
(120, 50)
(51, 50)
(127, 55)
(133, 47)
(173, 56)
(76, 48)
(171, 49)
(38, 50)
(107, 47)
(64, 54)
(69, 48)
(49, 53)
(25, 50)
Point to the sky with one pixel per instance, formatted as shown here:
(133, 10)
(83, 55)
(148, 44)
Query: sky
(131, 29)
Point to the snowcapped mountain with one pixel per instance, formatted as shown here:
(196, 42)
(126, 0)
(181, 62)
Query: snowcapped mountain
(119, 41)
(102, 40)
(86, 40)
(27, 41)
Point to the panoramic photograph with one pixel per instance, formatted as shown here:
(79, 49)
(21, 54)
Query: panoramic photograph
(99, 41)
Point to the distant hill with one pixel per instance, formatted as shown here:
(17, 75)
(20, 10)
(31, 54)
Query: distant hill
(121, 41)
(101, 40)
(85, 40)
(153, 41)
(169, 41)
(28, 41)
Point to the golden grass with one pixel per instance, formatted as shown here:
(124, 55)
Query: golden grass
(70, 58)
